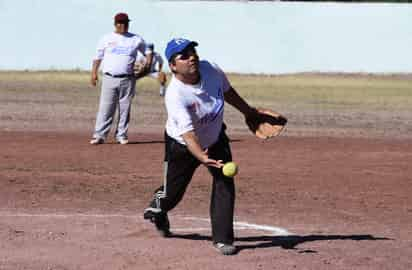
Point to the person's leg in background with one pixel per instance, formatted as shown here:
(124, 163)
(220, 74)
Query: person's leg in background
(107, 108)
(127, 90)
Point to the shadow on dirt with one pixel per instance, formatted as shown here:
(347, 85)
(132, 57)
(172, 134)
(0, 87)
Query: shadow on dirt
(285, 242)
(291, 241)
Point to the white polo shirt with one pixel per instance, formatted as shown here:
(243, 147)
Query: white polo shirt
(118, 52)
(197, 107)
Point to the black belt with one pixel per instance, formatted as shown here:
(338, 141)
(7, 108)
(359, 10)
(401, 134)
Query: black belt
(118, 76)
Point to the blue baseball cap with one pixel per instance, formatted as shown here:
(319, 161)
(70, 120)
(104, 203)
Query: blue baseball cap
(177, 45)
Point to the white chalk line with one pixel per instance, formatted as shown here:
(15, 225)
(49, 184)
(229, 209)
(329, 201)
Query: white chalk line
(237, 224)
(247, 226)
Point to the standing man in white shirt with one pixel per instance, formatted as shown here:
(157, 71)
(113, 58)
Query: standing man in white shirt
(117, 50)
(195, 135)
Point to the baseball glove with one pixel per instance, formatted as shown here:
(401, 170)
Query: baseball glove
(266, 123)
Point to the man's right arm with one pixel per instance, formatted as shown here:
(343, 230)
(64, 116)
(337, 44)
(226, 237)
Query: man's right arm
(192, 143)
(101, 45)
(95, 71)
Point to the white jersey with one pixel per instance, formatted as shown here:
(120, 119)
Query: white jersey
(119, 51)
(197, 108)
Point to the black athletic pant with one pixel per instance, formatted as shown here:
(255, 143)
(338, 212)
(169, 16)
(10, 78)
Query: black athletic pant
(181, 167)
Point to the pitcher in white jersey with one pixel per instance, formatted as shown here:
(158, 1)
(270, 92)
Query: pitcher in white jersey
(117, 52)
(195, 135)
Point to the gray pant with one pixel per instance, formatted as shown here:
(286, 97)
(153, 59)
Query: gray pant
(116, 92)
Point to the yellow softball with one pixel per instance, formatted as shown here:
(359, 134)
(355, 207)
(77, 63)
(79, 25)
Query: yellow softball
(230, 169)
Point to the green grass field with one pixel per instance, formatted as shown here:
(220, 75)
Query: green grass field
(311, 90)
(314, 101)
(333, 91)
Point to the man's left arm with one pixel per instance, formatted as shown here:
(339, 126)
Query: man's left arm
(264, 123)
(233, 98)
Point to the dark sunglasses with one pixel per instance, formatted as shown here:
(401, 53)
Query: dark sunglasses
(186, 54)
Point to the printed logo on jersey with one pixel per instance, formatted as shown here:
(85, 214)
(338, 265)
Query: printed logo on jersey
(220, 93)
(121, 50)
(214, 113)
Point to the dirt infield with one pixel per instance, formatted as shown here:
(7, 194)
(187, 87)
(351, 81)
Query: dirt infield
(333, 192)
(302, 203)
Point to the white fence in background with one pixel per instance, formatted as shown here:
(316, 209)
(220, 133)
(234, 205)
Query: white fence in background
(246, 37)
